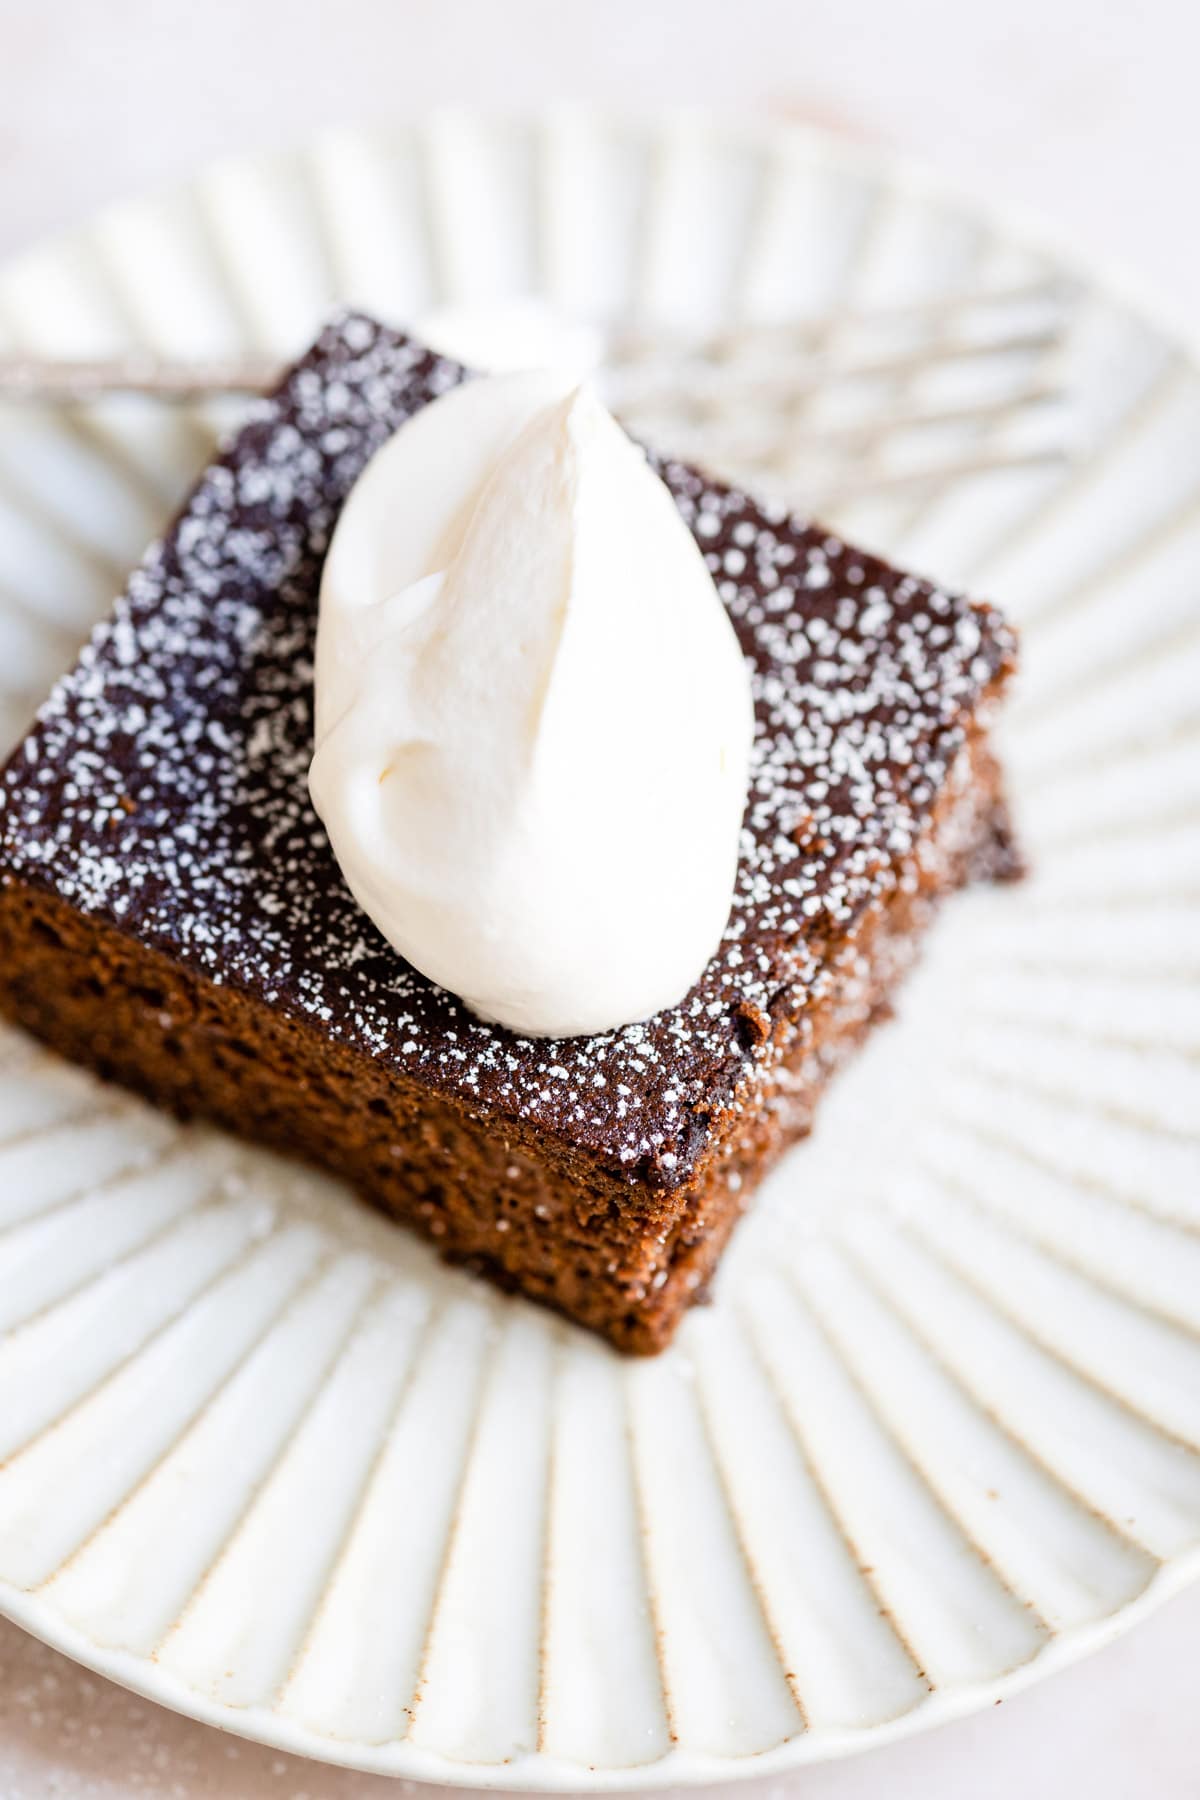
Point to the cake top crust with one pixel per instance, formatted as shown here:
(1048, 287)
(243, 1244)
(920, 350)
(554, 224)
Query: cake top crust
(163, 787)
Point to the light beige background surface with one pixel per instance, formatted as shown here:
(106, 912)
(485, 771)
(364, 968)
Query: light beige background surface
(1084, 110)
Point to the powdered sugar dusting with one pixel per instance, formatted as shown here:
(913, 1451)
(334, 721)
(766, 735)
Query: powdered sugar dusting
(165, 785)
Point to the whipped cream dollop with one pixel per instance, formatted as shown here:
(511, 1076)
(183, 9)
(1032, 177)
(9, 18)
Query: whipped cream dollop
(533, 719)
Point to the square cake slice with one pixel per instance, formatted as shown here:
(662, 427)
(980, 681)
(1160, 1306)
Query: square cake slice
(171, 912)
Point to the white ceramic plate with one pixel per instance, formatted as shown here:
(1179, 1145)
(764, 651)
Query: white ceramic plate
(260, 1457)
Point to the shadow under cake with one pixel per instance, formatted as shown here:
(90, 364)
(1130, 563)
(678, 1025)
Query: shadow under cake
(172, 915)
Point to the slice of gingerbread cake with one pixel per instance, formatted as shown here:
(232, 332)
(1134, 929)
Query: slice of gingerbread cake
(171, 912)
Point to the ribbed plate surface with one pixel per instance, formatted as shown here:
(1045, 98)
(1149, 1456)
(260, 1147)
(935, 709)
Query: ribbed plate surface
(260, 1456)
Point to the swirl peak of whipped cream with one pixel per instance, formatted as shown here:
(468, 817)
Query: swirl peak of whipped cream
(533, 719)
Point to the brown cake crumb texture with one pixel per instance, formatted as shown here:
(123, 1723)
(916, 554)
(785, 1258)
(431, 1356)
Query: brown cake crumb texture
(171, 913)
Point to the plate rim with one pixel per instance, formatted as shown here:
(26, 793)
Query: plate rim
(537, 1772)
(910, 171)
